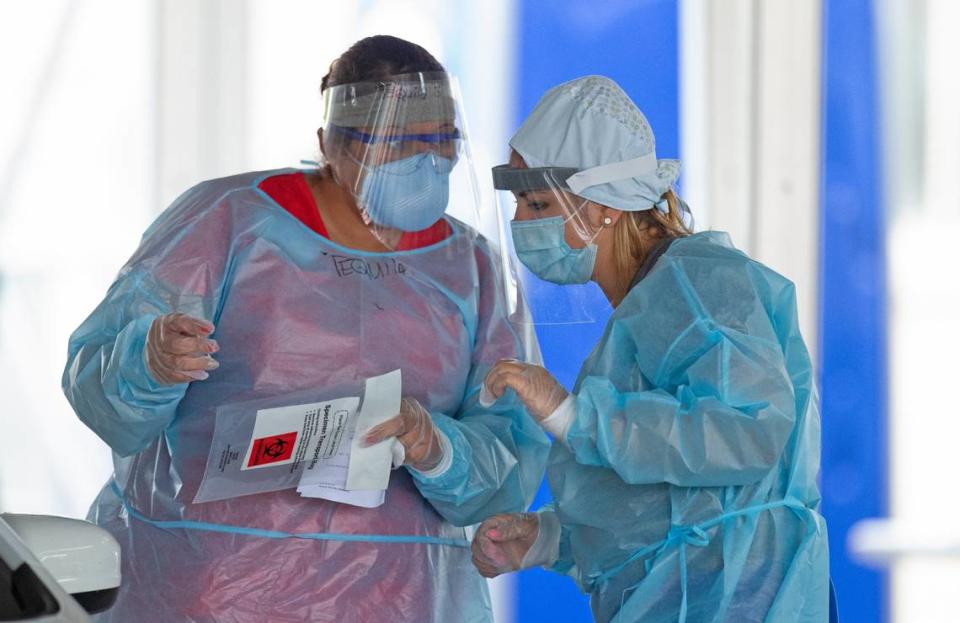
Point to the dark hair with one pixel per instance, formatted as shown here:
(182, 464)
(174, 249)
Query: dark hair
(378, 58)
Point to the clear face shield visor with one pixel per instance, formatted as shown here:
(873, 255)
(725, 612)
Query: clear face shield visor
(551, 232)
(542, 193)
(400, 147)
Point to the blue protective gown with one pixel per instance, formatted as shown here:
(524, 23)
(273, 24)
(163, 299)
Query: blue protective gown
(686, 488)
(294, 311)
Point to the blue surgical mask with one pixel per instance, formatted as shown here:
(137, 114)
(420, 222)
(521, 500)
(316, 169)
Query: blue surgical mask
(540, 245)
(408, 194)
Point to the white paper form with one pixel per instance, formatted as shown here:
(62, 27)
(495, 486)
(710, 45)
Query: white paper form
(370, 465)
(357, 474)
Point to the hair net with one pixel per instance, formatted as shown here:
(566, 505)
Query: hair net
(590, 124)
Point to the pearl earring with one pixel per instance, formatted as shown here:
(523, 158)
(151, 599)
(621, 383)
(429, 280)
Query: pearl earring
(607, 221)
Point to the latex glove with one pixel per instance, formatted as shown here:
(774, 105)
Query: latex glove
(536, 388)
(178, 349)
(423, 445)
(516, 541)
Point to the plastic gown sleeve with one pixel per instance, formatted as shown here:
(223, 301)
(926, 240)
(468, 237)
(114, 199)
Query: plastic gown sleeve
(499, 453)
(723, 405)
(179, 266)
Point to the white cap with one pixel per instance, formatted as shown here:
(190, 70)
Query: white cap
(590, 124)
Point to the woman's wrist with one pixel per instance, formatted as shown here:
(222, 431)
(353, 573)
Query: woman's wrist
(559, 422)
(546, 548)
(446, 458)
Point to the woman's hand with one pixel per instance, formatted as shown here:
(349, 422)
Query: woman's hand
(536, 388)
(415, 429)
(178, 349)
(502, 542)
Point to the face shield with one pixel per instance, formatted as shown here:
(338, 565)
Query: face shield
(400, 147)
(543, 193)
(552, 233)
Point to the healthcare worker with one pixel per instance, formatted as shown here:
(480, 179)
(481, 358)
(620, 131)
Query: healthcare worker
(686, 456)
(264, 284)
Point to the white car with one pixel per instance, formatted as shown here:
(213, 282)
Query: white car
(54, 569)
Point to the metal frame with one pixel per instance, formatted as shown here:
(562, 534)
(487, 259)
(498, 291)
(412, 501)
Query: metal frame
(750, 131)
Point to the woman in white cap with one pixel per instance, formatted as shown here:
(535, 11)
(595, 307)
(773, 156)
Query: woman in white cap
(684, 473)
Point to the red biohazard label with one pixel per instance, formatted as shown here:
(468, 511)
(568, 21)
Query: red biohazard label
(272, 449)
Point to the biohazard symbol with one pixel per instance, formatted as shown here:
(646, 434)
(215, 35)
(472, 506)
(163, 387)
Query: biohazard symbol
(272, 449)
(276, 448)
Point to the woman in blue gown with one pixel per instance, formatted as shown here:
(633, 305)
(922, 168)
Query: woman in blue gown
(686, 456)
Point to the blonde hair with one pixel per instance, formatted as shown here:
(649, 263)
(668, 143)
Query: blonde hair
(635, 233)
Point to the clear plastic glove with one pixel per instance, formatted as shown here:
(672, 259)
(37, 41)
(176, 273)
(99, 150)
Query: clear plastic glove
(505, 543)
(536, 388)
(178, 349)
(486, 399)
(422, 446)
